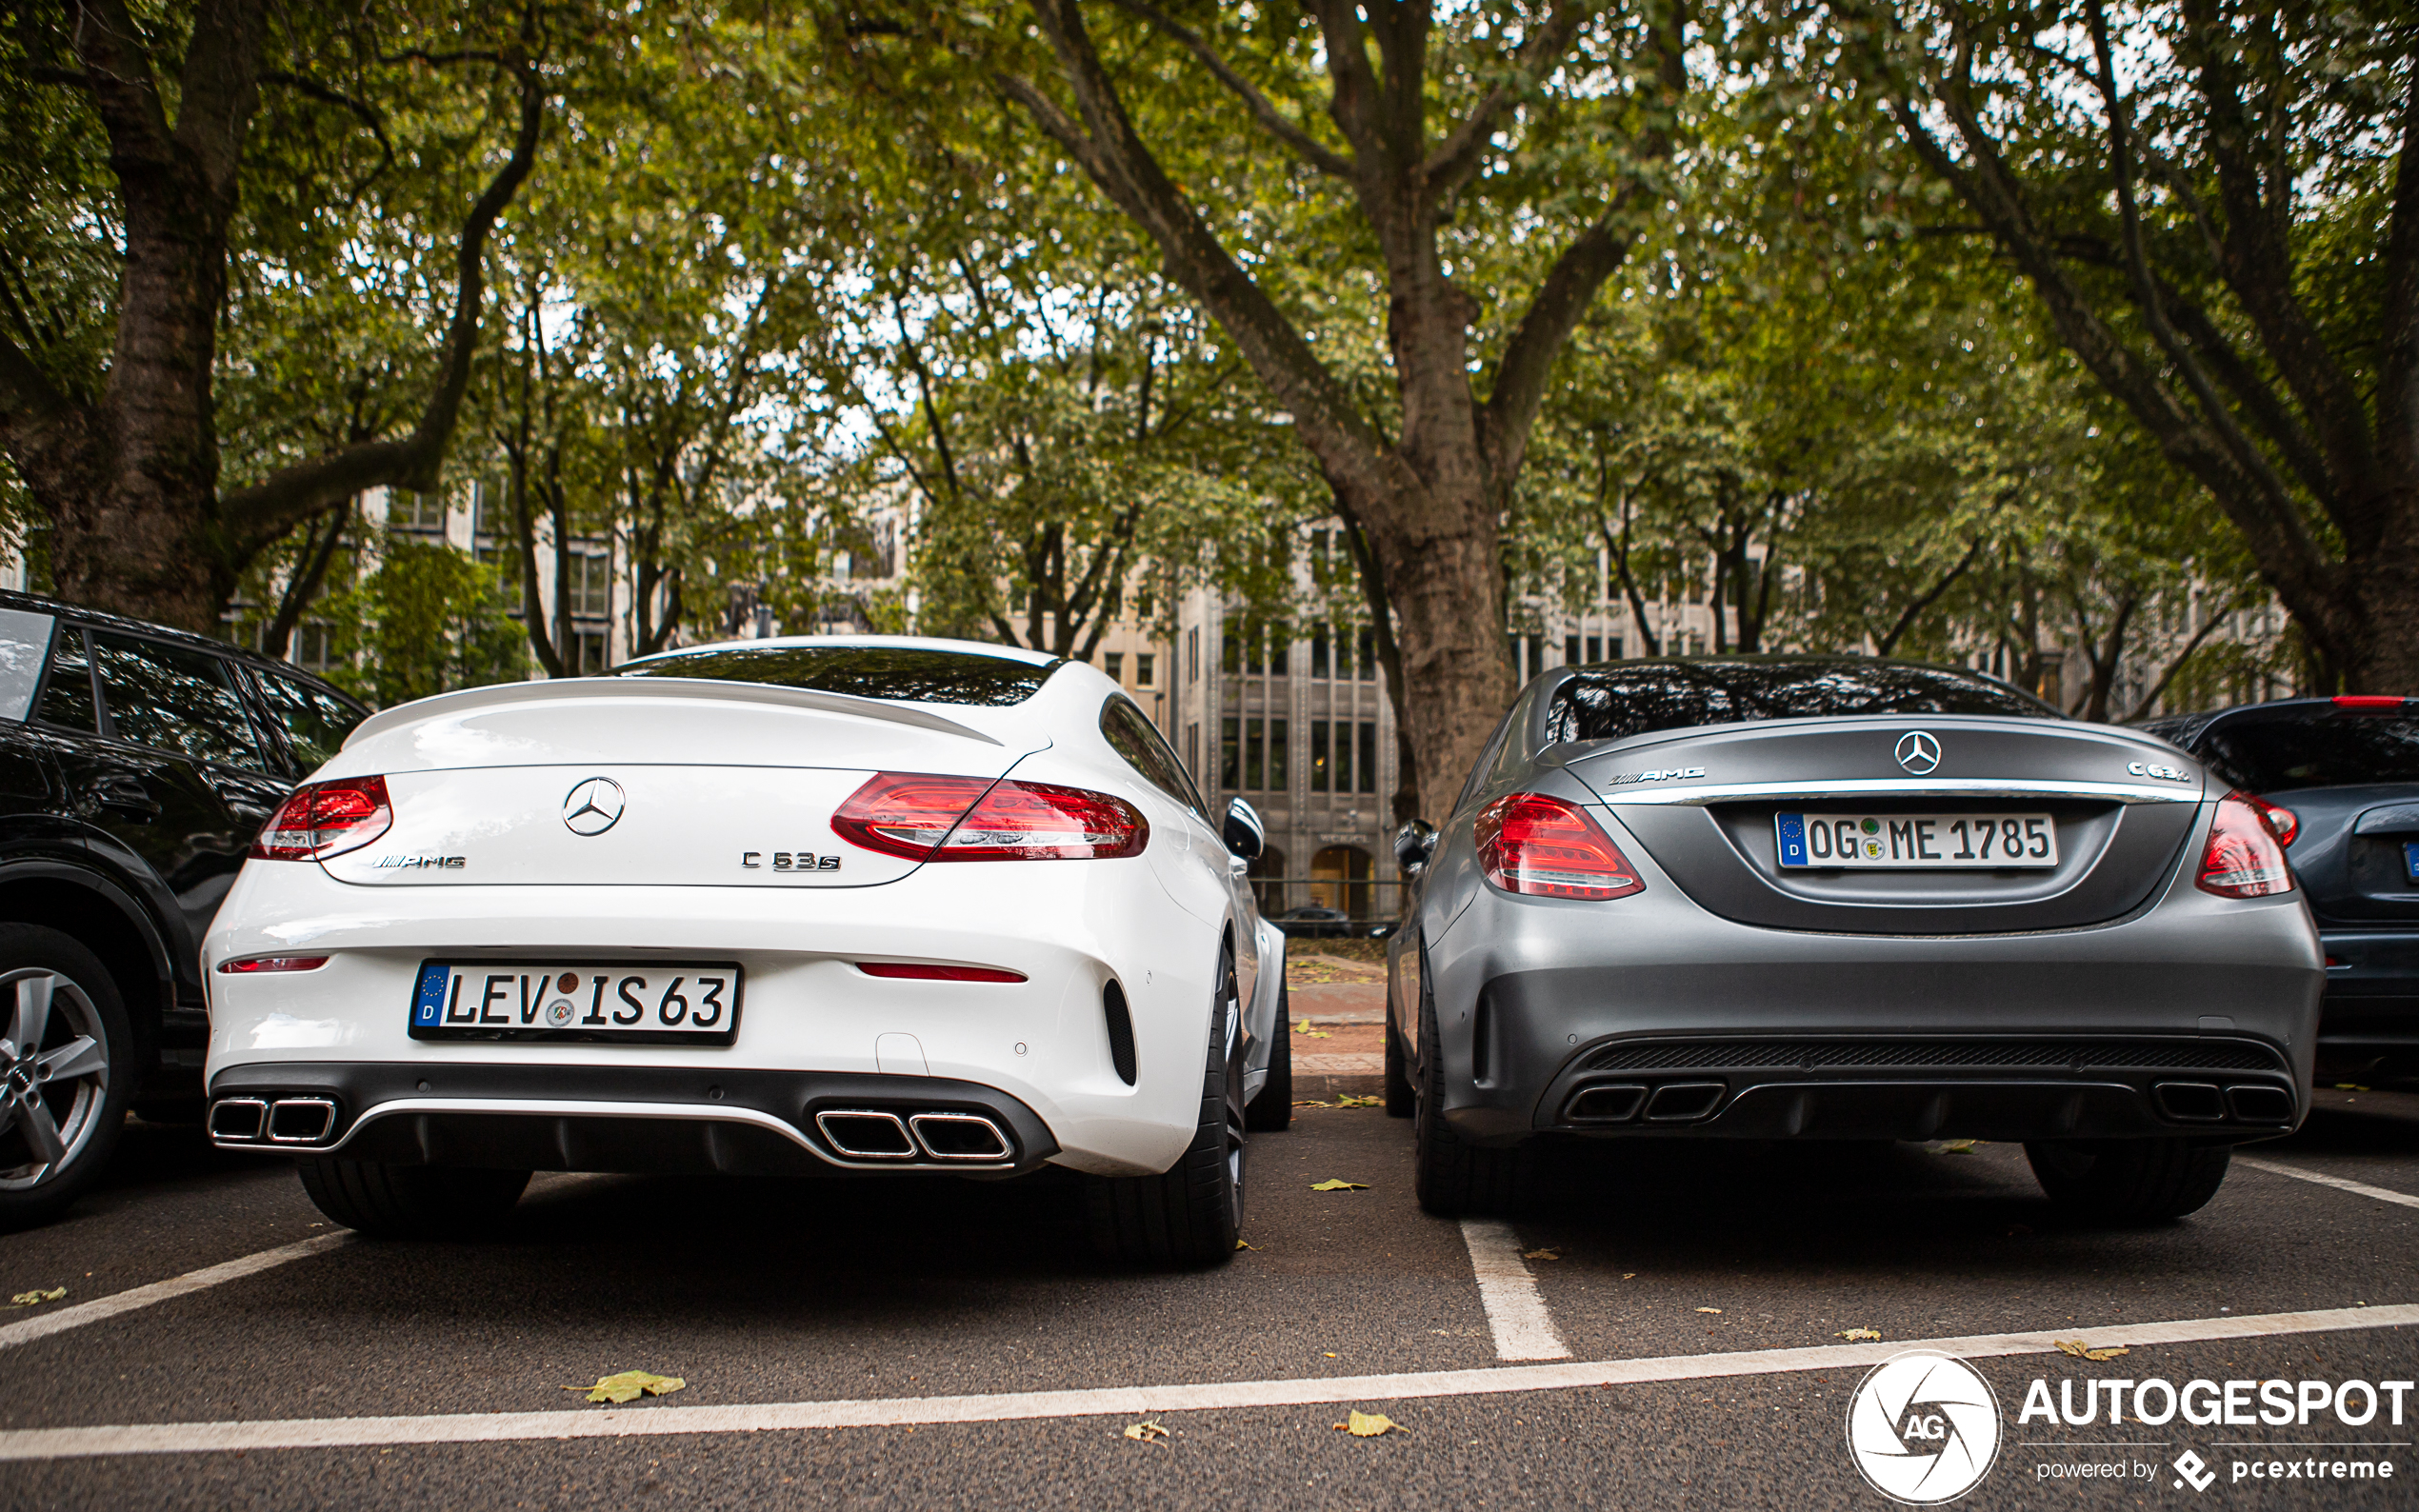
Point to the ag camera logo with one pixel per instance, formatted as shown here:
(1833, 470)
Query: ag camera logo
(1923, 1427)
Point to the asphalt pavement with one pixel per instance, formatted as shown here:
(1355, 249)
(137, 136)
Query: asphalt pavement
(1679, 1326)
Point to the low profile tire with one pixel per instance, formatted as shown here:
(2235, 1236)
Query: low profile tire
(1190, 1214)
(1452, 1177)
(65, 1071)
(1402, 1100)
(1272, 1112)
(411, 1201)
(2129, 1181)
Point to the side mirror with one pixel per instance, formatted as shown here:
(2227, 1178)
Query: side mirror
(1243, 832)
(1414, 844)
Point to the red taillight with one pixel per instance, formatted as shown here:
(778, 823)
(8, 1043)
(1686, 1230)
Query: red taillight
(924, 818)
(905, 971)
(1529, 842)
(272, 963)
(2243, 859)
(2371, 702)
(326, 819)
(2284, 821)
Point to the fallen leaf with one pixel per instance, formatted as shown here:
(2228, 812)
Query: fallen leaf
(1332, 1184)
(1350, 1101)
(1331, 1355)
(1714, 1310)
(1957, 1147)
(1307, 1032)
(1853, 1334)
(627, 1386)
(37, 1297)
(1240, 1245)
(1368, 1425)
(2082, 1351)
(1541, 1254)
(1628, 1275)
(1146, 1432)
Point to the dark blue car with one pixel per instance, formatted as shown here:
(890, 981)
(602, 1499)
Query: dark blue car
(2338, 779)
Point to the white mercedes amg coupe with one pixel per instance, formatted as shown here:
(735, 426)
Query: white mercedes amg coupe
(817, 905)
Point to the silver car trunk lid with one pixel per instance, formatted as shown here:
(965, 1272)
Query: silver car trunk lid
(1705, 802)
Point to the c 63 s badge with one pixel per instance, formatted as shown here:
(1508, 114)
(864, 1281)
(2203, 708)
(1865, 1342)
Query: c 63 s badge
(788, 861)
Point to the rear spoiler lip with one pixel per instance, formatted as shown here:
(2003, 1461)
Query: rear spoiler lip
(1701, 794)
(601, 689)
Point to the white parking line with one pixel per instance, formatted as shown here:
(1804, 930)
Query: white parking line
(1524, 1331)
(2338, 1183)
(44, 1325)
(658, 1422)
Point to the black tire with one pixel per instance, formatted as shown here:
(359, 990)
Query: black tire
(1452, 1177)
(409, 1202)
(1272, 1112)
(63, 1105)
(1402, 1100)
(2129, 1181)
(1190, 1214)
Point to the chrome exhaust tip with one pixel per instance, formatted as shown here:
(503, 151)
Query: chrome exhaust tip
(301, 1120)
(960, 1137)
(867, 1134)
(238, 1120)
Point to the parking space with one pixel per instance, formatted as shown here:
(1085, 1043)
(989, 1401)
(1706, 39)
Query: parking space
(1698, 1297)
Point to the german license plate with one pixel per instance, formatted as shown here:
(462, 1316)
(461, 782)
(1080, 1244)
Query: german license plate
(661, 1003)
(2410, 858)
(1906, 841)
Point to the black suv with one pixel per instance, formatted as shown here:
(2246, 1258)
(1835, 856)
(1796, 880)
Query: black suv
(137, 764)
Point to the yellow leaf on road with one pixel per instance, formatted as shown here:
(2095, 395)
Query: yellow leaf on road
(1304, 1030)
(1368, 1425)
(1957, 1148)
(1540, 1254)
(1713, 1311)
(1854, 1334)
(37, 1297)
(1150, 1432)
(1350, 1101)
(1240, 1245)
(627, 1386)
(1332, 1184)
(2082, 1351)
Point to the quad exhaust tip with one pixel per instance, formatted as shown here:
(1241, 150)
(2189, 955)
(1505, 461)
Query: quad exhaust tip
(251, 1120)
(875, 1134)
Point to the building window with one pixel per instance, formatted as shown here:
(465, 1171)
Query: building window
(1113, 663)
(1536, 655)
(1192, 655)
(1144, 669)
(585, 653)
(1231, 638)
(1366, 660)
(1612, 645)
(314, 645)
(1570, 651)
(591, 581)
(1280, 649)
(416, 511)
(1230, 754)
(1318, 651)
(1696, 643)
(1320, 762)
(1366, 768)
(1193, 749)
(1280, 748)
(1254, 750)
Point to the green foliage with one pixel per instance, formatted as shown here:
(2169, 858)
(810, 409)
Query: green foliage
(426, 620)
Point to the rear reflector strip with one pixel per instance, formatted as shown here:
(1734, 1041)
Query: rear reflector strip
(272, 963)
(906, 971)
(2371, 702)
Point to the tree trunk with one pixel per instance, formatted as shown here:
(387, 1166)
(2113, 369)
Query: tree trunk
(1429, 498)
(130, 479)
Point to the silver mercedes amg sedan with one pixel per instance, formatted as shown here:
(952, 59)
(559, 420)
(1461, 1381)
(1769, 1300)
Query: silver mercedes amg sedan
(1832, 898)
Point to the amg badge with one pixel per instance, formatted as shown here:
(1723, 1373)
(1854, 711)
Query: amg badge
(432, 862)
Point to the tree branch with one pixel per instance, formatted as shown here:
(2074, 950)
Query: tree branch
(413, 462)
(1925, 600)
(1457, 156)
(1305, 145)
(2208, 627)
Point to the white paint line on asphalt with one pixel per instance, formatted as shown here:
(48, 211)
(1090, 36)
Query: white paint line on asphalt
(44, 1325)
(2338, 1183)
(1524, 1331)
(660, 1422)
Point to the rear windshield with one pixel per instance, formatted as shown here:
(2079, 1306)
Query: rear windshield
(2321, 750)
(1621, 699)
(909, 674)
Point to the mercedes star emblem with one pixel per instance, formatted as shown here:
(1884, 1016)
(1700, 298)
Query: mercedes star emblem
(593, 806)
(1918, 752)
